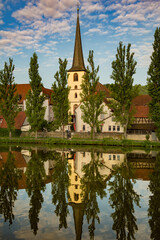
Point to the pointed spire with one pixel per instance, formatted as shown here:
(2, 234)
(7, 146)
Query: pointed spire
(78, 62)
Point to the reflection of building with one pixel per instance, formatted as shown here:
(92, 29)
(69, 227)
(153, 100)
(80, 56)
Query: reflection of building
(142, 162)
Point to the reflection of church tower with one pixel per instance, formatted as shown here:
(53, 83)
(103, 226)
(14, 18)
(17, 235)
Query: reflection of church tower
(77, 70)
(75, 197)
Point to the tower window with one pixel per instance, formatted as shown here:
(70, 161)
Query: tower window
(75, 95)
(75, 87)
(75, 77)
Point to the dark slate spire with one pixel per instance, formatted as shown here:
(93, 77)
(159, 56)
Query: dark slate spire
(78, 62)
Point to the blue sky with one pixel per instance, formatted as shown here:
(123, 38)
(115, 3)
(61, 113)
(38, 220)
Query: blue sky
(47, 27)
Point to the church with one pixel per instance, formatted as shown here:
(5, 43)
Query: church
(140, 128)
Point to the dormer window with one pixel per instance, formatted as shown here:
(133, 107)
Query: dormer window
(75, 77)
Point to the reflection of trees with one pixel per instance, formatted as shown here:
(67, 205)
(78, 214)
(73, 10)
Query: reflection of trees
(92, 186)
(60, 187)
(35, 176)
(122, 199)
(154, 202)
(9, 176)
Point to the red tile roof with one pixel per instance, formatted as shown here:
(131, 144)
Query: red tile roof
(141, 106)
(101, 87)
(141, 100)
(141, 111)
(22, 90)
(19, 120)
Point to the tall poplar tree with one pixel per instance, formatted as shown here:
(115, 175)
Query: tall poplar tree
(35, 98)
(124, 67)
(154, 82)
(92, 100)
(8, 99)
(60, 100)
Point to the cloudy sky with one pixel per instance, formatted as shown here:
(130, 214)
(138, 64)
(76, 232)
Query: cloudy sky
(47, 27)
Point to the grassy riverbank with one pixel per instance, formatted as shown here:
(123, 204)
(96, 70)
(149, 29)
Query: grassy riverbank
(103, 142)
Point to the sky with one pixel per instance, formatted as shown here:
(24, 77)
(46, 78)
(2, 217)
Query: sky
(47, 27)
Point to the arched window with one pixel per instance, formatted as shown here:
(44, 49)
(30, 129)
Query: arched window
(75, 87)
(75, 95)
(75, 77)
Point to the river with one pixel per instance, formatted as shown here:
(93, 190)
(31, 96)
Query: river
(78, 193)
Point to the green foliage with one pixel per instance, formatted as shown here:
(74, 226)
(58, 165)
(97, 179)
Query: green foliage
(92, 185)
(4, 132)
(122, 200)
(35, 98)
(8, 99)
(35, 177)
(122, 90)
(142, 90)
(154, 203)
(60, 187)
(154, 82)
(60, 97)
(92, 100)
(9, 176)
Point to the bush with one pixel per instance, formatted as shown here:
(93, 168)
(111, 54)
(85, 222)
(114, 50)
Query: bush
(4, 132)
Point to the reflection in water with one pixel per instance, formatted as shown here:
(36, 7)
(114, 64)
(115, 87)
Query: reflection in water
(9, 176)
(60, 187)
(35, 176)
(78, 181)
(93, 185)
(154, 201)
(122, 199)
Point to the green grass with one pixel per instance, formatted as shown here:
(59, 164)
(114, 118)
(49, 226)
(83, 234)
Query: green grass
(80, 142)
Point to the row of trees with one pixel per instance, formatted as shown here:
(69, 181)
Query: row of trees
(123, 92)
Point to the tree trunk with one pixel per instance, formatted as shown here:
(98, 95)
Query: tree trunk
(36, 134)
(10, 134)
(91, 132)
(62, 130)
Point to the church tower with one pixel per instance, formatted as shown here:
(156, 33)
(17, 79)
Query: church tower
(77, 70)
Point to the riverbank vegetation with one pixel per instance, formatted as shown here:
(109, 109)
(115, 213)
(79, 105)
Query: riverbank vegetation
(80, 142)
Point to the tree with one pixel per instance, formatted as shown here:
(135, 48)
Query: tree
(60, 96)
(60, 185)
(122, 200)
(35, 181)
(92, 100)
(154, 203)
(8, 99)
(122, 90)
(9, 177)
(153, 82)
(35, 98)
(93, 186)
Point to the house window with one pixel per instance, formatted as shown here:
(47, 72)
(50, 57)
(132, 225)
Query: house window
(110, 157)
(118, 157)
(109, 128)
(102, 116)
(84, 154)
(113, 119)
(75, 87)
(76, 197)
(118, 128)
(114, 128)
(114, 157)
(84, 128)
(75, 95)
(75, 77)
(76, 178)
